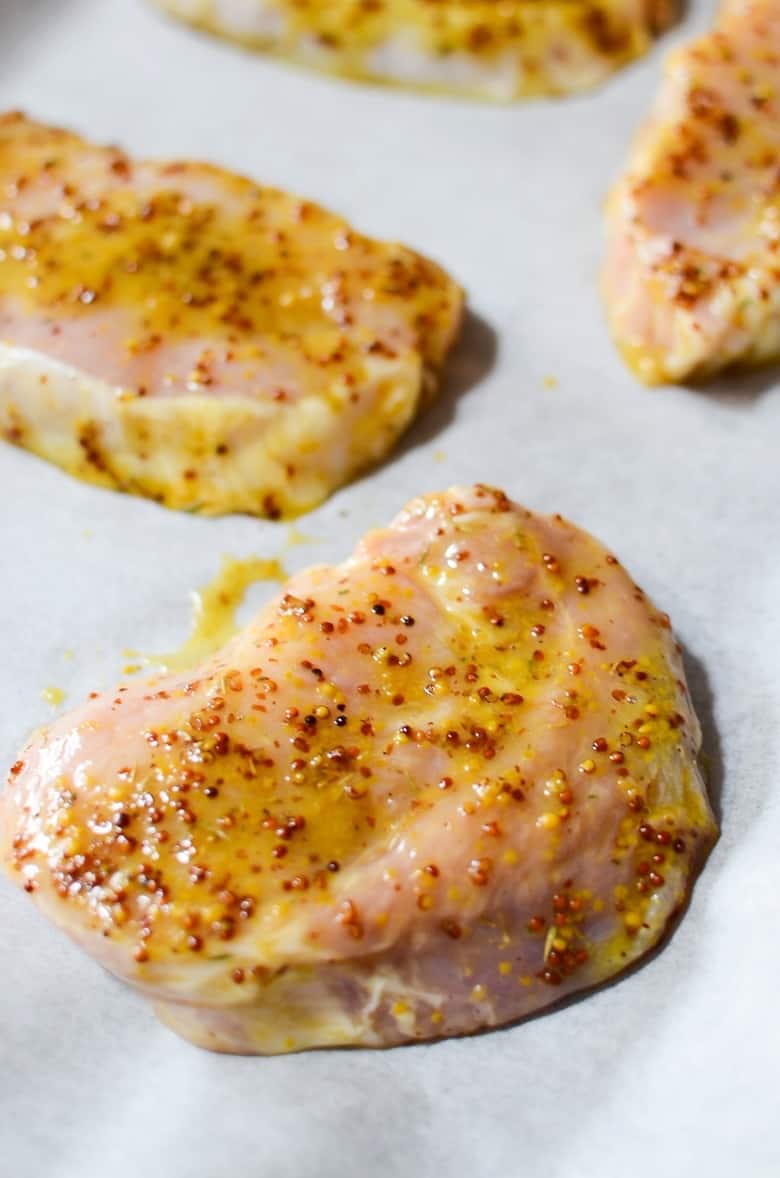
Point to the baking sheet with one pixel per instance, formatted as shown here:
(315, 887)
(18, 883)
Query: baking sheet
(675, 1068)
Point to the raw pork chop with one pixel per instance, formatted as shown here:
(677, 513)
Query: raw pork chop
(691, 279)
(476, 47)
(176, 331)
(429, 790)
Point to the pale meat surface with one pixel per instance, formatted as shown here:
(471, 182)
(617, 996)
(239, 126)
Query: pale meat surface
(478, 48)
(177, 331)
(692, 276)
(429, 790)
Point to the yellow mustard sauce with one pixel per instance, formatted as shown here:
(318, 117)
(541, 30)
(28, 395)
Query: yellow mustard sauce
(214, 610)
(191, 269)
(247, 261)
(297, 538)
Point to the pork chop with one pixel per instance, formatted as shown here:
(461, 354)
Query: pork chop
(429, 790)
(176, 331)
(475, 47)
(692, 277)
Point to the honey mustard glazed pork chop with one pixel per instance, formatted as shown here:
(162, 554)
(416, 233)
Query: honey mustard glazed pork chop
(429, 790)
(692, 276)
(179, 332)
(480, 48)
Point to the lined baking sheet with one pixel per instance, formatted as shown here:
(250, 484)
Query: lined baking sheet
(675, 1068)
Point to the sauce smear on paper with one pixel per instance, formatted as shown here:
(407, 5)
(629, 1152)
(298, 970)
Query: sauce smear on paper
(214, 609)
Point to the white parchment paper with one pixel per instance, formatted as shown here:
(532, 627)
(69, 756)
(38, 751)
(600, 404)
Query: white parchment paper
(673, 1070)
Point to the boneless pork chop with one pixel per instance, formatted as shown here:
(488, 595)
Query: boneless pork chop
(176, 331)
(490, 50)
(691, 279)
(429, 790)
